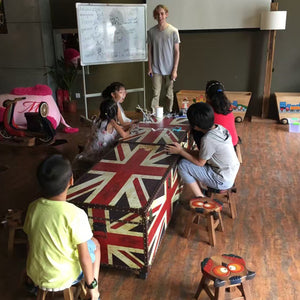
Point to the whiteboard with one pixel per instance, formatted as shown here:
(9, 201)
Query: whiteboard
(111, 33)
(211, 14)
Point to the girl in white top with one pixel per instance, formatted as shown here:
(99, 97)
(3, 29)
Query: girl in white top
(104, 135)
(117, 92)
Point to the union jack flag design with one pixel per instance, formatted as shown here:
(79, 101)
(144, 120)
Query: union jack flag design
(128, 197)
(161, 131)
(156, 135)
(167, 122)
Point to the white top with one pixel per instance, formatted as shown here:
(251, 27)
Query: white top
(124, 118)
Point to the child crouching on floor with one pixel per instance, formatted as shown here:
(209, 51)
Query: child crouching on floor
(215, 164)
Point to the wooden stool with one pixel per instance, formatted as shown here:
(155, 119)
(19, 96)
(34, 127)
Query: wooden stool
(14, 221)
(226, 197)
(225, 272)
(211, 211)
(68, 293)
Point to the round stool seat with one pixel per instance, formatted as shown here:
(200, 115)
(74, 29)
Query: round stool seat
(205, 205)
(208, 209)
(226, 196)
(226, 271)
(68, 294)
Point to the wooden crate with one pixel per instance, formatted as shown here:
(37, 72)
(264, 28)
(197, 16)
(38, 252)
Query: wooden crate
(288, 106)
(188, 97)
(239, 100)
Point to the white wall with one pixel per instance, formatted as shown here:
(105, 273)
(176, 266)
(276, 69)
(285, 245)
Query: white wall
(211, 14)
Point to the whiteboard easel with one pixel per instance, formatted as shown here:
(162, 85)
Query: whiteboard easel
(111, 33)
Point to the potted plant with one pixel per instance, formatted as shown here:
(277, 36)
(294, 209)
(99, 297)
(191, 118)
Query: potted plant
(64, 74)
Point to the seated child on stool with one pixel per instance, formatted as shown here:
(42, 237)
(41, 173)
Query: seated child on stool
(215, 164)
(216, 97)
(61, 243)
(116, 91)
(104, 134)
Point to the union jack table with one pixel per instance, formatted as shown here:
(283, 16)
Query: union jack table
(165, 131)
(129, 197)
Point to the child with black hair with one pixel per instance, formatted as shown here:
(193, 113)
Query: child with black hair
(215, 164)
(116, 91)
(216, 97)
(61, 245)
(104, 133)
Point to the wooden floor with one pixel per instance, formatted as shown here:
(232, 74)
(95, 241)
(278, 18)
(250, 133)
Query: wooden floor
(266, 233)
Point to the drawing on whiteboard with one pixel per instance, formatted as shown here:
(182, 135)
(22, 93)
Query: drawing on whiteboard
(121, 35)
(99, 49)
(111, 33)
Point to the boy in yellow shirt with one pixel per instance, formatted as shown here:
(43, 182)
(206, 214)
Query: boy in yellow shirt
(61, 243)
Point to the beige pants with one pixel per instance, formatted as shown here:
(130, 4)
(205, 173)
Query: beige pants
(157, 81)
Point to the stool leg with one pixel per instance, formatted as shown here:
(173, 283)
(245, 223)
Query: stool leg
(246, 290)
(11, 239)
(189, 224)
(80, 290)
(211, 230)
(83, 291)
(41, 294)
(68, 295)
(200, 287)
(232, 206)
(220, 293)
(220, 225)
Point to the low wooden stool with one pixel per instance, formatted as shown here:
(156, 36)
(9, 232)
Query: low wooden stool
(225, 274)
(209, 209)
(226, 197)
(14, 221)
(68, 293)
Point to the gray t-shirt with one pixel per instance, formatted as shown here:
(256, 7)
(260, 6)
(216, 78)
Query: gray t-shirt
(163, 43)
(216, 147)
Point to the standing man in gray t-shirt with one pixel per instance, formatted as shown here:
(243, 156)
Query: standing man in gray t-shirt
(163, 52)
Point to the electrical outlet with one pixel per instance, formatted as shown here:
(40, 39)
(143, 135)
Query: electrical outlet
(77, 95)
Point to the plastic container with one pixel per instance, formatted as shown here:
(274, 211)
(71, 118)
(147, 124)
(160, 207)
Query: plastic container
(294, 125)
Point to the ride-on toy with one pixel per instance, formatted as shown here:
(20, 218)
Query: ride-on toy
(38, 126)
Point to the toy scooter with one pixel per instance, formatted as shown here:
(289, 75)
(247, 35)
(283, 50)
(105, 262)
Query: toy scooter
(38, 126)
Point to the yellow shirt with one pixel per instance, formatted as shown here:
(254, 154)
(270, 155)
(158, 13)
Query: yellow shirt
(54, 230)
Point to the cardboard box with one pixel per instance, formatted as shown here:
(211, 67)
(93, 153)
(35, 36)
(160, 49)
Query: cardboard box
(239, 100)
(288, 106)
